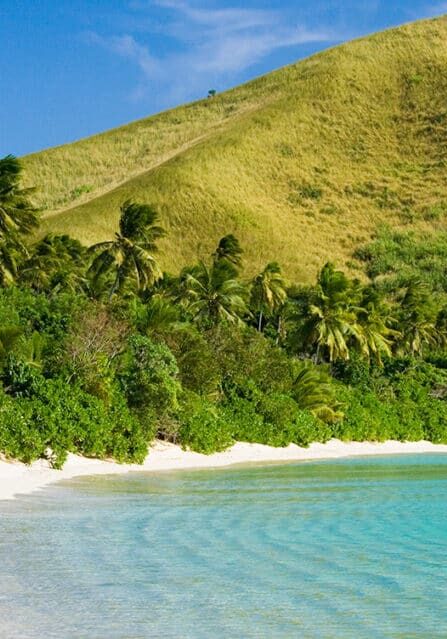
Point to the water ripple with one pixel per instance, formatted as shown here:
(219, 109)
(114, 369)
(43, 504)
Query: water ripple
(348, 549)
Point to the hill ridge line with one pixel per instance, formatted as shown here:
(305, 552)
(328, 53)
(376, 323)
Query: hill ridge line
(183, 148)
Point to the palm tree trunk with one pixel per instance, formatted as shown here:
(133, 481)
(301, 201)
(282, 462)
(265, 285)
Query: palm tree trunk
(113, 289)
(260, 322)
(278, 336)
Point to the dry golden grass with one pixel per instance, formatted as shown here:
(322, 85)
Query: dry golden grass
(301, 164)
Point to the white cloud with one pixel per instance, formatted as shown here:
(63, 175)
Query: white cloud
(235, 53)
(211, 45)
(127, 47)
(229, 19)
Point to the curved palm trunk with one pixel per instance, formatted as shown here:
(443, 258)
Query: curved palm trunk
(278, 336)
(114, 288)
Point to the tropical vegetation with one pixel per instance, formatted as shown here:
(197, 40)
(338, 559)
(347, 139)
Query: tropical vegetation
(101, 350)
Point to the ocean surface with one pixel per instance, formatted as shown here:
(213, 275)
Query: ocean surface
(347, 549)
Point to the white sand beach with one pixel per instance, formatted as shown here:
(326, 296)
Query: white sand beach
(17, 478)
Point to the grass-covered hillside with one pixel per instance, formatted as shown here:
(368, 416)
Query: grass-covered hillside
(302, 164)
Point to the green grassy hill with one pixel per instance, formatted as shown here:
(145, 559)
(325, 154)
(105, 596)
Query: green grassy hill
(302, 164)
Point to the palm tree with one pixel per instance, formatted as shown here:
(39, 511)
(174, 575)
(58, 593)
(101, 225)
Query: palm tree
(325, 317)
(156, 316)
(229, 250)
(212, 294)
(418, 319)
(313, 390)
(8, 262)
(56, 262)
(376, 337)
(9, 336)
(441, 326)
(268, 292)
(17, 214)
(130, 253)
(331, 329)
(17, 217)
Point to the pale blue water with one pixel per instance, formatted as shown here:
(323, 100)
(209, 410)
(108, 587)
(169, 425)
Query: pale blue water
(347, 549)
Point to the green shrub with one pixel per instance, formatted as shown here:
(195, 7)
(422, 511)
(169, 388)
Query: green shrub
(80, 190)
(148, 376)
(20, 436)
(286, 423)
(64, 418)
(199, 370)
(366, 418)
(247, 425)
(434, 418)
(246, 356)
(50, 315)
(400, 257)
(19, 377)
(203, 427)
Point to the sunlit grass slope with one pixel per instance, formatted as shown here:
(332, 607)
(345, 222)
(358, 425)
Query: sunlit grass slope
(302, 164)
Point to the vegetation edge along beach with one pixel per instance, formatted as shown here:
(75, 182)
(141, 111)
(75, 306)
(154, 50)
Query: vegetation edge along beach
(18, 479)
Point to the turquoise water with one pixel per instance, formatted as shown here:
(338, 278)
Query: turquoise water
(346, 549)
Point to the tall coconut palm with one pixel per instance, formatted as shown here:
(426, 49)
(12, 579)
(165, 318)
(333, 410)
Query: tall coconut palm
(212, 294)
(56, 262)
(418, 319)
(268, 292)
(324, 318)
(18, 217)
(330, 329)
(9, 255)
(9, 336)
(130, 254)
(17, 214)
(156, 316)
(376, 338)
(229, 250)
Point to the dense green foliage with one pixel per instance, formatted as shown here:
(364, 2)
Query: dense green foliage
(394, 258)
(100, 351)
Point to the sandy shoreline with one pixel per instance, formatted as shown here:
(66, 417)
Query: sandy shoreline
(17, 478)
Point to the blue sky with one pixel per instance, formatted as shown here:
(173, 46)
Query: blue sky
(71, 68)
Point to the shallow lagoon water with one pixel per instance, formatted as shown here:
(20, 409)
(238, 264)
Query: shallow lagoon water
(327, 550)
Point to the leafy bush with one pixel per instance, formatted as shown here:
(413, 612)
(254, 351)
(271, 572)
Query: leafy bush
(366, 418)
(19, 377)
(247, 356)
(148, 376)
(199, 369)
(273, 420)
(63, 418)
(286, 423)
(246, 423)
(80, 190)
(50, 315)
(412, 415)
(203, 428)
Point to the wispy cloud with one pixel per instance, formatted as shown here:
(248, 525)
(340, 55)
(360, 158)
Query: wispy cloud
(127, 47)
(208, 46)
